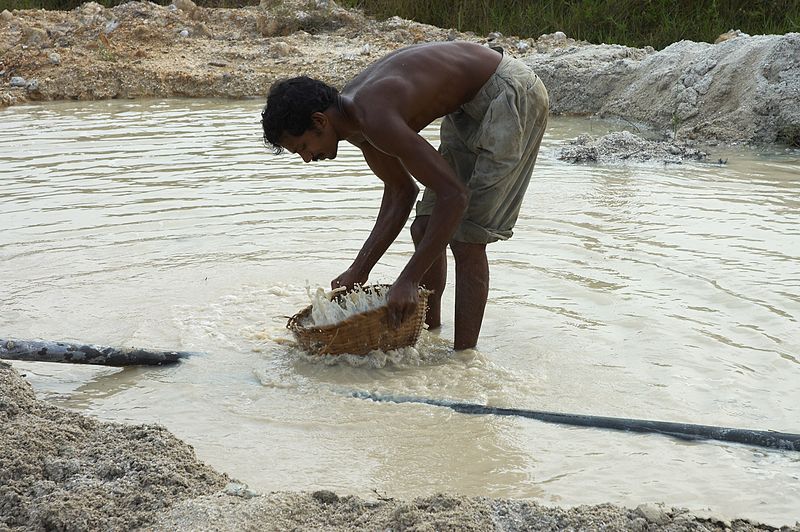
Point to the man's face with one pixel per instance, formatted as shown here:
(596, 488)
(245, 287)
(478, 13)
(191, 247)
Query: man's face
(317, 143)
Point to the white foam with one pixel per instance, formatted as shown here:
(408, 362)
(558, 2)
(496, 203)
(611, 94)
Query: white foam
(328, 310)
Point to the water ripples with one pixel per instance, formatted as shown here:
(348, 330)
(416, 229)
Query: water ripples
(660, 291)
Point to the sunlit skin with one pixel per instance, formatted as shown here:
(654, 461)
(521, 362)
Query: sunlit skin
(382, 111)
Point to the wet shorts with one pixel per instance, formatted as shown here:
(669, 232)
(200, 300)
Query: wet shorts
(492, 142)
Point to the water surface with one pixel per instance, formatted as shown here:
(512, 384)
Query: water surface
(667, 292)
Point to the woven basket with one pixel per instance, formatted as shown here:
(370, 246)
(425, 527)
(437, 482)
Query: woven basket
(360, 333)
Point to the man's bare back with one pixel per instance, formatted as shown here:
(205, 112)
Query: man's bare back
(426, 82)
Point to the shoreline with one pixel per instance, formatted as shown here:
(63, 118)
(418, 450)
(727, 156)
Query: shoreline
(64, 470)
(742, 89)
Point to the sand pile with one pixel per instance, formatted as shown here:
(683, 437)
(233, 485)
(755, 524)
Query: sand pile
(60, 470)
(624, 146)
(324, 510)
(141, 49)
(743, 89)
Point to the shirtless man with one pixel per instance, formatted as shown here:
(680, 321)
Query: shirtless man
(495, 112)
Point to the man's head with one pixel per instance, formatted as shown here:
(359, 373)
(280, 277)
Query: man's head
(294, 118)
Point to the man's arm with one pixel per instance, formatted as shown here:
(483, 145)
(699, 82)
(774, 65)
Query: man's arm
(399, 193)
(394, 137)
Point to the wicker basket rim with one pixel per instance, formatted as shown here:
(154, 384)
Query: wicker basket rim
(294, 322)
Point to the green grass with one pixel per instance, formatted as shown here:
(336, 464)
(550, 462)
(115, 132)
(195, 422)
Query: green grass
(657, 23)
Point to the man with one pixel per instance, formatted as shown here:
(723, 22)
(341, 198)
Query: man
(495, 112)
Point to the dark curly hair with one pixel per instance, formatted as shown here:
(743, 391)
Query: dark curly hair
(290, 104)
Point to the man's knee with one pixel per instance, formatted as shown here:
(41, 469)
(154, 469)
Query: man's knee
(467, 251)
(418, 227)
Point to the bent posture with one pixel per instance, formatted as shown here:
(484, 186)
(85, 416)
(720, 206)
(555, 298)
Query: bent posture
(495, 112)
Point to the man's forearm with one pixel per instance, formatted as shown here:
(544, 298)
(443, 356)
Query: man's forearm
(395, 209)
(447, 214)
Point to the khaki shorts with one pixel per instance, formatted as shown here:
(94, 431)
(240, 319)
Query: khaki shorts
(491, 143)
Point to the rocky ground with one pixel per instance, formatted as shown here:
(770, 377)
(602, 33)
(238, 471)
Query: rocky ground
(60, 470)
(140, 49)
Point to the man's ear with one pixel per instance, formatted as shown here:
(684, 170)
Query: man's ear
(319, 121)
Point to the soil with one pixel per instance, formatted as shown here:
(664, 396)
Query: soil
(624, 146)
(60, 470)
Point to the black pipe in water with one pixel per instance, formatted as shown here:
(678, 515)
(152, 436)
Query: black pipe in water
(41, 351)
(684, 431)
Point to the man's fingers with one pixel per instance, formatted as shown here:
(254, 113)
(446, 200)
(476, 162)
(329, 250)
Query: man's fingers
(402, 305)
(396, 316)
(400, 314)
(409, 312)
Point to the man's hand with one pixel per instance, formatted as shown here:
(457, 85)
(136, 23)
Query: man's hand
(349, 279)
(402, 301)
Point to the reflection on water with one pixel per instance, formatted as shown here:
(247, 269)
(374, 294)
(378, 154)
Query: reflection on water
(650, 291)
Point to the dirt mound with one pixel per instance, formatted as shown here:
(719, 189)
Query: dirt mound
(141, 49)
(63, 471)
(324, 510)
(743, 89)
(624, 146)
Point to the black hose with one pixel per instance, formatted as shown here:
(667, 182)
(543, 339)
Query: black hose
(684, 431)
(41, 351)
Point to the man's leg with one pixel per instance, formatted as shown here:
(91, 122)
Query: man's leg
(472, 290)
(435, 278)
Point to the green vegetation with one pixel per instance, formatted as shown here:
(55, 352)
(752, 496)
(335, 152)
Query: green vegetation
(657, 23)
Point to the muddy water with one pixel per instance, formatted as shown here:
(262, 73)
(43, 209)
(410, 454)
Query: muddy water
(658, 292)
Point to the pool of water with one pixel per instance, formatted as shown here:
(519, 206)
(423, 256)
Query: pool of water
(668, 292)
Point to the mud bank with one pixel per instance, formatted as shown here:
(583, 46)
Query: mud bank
(60, 470)
(63, 471)
(742, 89)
